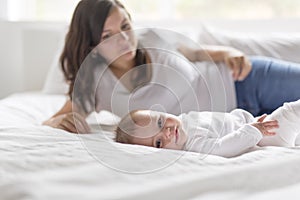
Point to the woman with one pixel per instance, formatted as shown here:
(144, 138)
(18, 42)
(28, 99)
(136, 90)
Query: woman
(133, 69)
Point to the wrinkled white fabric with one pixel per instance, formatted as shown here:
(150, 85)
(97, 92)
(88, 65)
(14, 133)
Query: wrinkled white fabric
(39, 162)
(288, 117)
(223, 134)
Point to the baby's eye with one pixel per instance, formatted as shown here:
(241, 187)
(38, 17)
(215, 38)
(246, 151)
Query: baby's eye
(159, 122)
(158, 143)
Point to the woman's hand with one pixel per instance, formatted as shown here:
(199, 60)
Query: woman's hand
(265, 127)
(72, 122)
(238, 63)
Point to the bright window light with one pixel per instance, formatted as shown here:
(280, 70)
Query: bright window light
(61, 10)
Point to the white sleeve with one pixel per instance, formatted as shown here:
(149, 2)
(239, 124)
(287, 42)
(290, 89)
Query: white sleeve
(230, 145)
(243, 116)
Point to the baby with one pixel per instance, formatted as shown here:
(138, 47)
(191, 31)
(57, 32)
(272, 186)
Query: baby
(223, 134)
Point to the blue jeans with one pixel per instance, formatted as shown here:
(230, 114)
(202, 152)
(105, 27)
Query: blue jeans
(270, 83)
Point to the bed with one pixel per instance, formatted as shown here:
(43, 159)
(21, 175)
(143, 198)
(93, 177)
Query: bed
(40, 162)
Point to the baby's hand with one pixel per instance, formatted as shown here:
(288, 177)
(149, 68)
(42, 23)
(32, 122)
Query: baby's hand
(265, 127)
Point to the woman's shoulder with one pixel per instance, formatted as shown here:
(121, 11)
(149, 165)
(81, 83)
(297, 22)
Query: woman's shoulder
(158, 47)
(161, 55)
(171, 57)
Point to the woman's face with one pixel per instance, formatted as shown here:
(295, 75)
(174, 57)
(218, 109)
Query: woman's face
(118, 42)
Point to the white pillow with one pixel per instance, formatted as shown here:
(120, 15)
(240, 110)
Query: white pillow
(55, 81)
(285, 46)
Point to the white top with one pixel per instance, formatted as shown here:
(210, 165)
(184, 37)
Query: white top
(288, 133)
(177, 86)
(229, 134)
(223, 134)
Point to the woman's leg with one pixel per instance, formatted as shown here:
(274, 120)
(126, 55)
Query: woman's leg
(270, 83)
(288, 117)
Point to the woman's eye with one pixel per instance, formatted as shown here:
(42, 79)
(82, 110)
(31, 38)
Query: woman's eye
(125, 27)
(105, 37)
(158, 143)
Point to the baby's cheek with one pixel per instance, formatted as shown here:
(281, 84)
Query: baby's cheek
(173, 146)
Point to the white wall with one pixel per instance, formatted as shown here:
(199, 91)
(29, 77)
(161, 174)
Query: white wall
(11, 70)
(27, 48)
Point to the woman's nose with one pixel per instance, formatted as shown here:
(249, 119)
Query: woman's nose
(123, 36)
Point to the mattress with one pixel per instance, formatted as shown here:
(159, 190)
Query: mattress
(40, 162)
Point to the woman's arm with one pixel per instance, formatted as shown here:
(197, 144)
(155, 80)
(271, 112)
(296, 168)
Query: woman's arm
(234, 59)
(67, 107)
(68, 119)
(207, 53)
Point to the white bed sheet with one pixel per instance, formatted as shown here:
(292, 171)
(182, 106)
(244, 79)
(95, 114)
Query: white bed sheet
(39, 162)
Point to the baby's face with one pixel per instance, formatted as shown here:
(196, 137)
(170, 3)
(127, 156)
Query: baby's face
(157, 129)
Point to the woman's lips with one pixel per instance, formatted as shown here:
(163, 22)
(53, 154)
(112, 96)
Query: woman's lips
(126, 48)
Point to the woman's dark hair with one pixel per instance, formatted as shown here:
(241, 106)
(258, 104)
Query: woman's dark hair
(85, 34)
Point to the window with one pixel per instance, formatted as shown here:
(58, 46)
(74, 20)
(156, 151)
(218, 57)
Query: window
(37, 10)
(61, 10)
(242, 9)
(212, 9)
